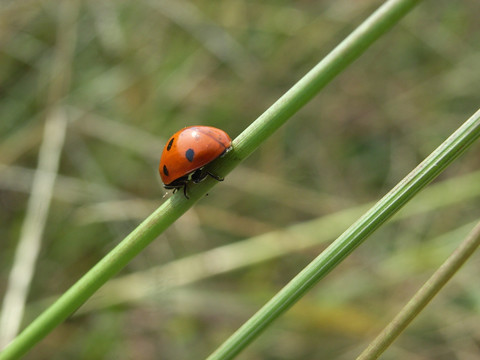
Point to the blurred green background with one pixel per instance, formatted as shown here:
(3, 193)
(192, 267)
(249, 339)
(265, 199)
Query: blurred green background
(128, 74)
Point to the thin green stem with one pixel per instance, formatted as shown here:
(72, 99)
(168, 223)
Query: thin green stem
(433, 165)
(382, 20)
(111, 264)
(421, 299)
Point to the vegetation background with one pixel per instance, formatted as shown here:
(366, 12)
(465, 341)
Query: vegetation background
(141, 70)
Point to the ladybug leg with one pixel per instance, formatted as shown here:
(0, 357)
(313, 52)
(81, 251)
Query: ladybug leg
(201, 174)
(185, 191)
(216, 177)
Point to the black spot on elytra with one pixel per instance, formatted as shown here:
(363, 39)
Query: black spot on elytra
(170, 143)
(189, 154)
(165, 170)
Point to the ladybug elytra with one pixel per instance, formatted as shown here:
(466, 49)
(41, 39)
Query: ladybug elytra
(186, 154)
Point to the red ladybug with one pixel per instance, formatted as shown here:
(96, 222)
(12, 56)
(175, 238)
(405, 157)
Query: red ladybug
(187, 152)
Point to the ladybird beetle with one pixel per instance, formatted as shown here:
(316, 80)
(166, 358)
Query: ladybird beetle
(187, 152)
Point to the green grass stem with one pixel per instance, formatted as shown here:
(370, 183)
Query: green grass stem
(382, 20)
(384, 209)
(421, 299)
